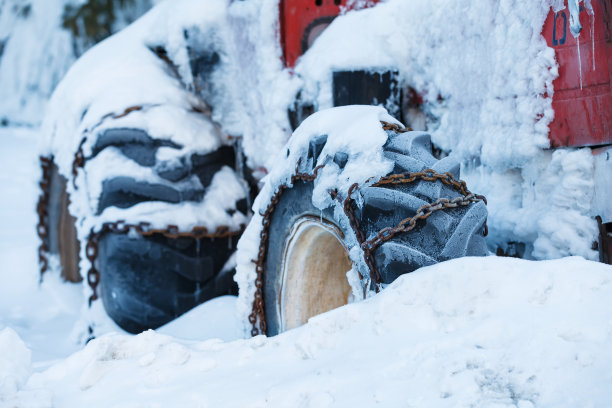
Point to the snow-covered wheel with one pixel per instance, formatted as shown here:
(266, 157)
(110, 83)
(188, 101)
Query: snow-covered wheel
(145, 279)
(308, 244)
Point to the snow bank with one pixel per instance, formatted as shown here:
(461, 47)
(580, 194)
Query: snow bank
(14, 363)
(469, 332)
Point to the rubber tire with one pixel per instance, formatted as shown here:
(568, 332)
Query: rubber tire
(447, 234)
(146, 282)
(149, 281)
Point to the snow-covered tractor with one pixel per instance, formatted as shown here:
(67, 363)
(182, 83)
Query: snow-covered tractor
(170, 173)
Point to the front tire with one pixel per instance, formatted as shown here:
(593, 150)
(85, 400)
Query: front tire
(304, 270)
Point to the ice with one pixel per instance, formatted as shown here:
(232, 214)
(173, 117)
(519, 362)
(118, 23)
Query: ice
(579, 60)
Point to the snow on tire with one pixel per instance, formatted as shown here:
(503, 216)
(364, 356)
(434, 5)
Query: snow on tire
(302, 240)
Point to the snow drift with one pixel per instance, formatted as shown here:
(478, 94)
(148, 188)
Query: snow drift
(469, 332)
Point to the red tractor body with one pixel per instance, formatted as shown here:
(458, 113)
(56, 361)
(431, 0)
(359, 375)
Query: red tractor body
(582, 97)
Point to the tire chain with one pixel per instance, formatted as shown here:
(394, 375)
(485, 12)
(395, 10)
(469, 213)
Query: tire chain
(257, 317)
(43, 214)
(143, 229)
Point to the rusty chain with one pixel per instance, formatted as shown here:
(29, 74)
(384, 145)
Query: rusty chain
(258, 313)
(43, 215)
(143, 229)
(368, 246)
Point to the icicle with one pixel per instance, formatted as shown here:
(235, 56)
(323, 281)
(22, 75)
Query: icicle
(589, 9)
(579, 61)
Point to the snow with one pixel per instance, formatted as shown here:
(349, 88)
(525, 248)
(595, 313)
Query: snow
(546, 204)
(469, 332)
(15, 362)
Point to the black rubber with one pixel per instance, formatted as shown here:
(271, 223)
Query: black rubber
(446, 234)
(147, 281)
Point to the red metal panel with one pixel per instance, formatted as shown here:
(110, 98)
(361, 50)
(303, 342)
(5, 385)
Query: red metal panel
(302, 20)
(582, 98)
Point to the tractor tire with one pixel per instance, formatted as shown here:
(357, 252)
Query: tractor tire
(147, 281)
(307, 258)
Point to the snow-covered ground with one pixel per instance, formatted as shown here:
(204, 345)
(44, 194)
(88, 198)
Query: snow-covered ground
(492, 332)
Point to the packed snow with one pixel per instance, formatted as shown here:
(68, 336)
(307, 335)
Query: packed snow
(477, 332)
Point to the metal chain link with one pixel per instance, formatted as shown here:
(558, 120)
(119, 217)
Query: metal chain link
(257, 317)
(43, 215)
(258, 313)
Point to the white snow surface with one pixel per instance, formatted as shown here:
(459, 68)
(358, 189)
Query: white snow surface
(482, 332)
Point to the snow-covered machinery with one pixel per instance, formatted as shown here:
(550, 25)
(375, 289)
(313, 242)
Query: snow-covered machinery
(159, 139)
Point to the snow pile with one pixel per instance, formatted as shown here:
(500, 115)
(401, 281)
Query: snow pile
(14, 363)
(468, 332)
